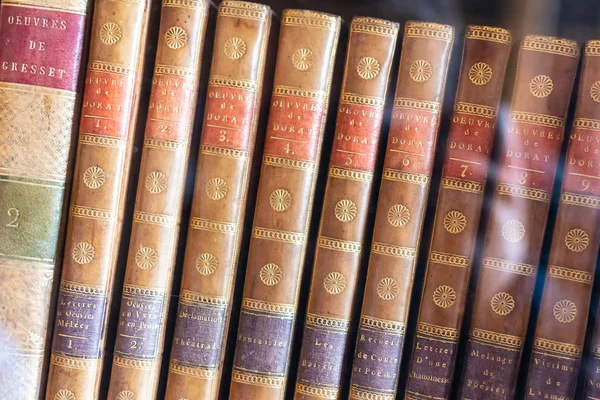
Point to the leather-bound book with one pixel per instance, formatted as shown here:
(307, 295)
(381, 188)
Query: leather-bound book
(562, 320)
(106, 130)
(218, 206)
(459, 202)
(155, 227)
(592, 362)
(38, 83)
(401, 206)
(306, 52)
(531, 144)
(347, 196)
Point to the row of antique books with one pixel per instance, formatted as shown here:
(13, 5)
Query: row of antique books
(55, 304)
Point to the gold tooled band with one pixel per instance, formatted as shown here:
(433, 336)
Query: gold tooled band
(339, 245)
(317, 95)
(133, 364)
(312, 19)
(249, 378)
(537, 119)
(188, 296)
(552, 45)
(490, 337)
(374, 26)
(568, 274)
(393, 251)
(453, 260)
(317, 391)
(278, 236)
(269, 307)
(87, 290)
(225, 152)
(102, 141)
(565, 349)
(69, 6)
(592, 48)
(429, 106)
(73, 363)
(462, 185)
(170, 145)
(389, 326)
(523, 192)
(319, 321)
(171, 70)
(204, 224)
(429, 30)
(153, 218)
(133, 290)
(362, 100)
(352, 174)
(586, 123)
(244, 9)
(362, 394)
(276, 161)
(91, 213)
(437, 331)
(196, 372)
(187, 4)
(488, 33)
(509, 266)
(407, 177)
(102, 66)
(579, 200)
(475, 109)
(224, 81)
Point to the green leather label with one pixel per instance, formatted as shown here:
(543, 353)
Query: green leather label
(30, 215)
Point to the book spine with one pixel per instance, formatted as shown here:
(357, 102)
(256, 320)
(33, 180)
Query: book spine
(157, 212)
(307, 46)
(218, 205)
(562, 320)
(470, 139)
(401, 206)
(592, 363)
(532, 140)
(38, 84)
(347, 196)
(110, 102)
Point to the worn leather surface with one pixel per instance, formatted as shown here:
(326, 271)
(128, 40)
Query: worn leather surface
(470, 139)
(530, 150)
(110, 103)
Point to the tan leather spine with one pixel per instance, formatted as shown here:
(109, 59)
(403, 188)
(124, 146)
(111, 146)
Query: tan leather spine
(531, 145)
(107, 126)
(471, 135)
(562, 320)
(307, 47)
(402, 200)
(157, 212)
(347, 196)
(218, 206)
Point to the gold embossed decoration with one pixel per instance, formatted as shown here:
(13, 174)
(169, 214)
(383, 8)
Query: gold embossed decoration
(83, 253)
(303, 59)
(235, 48)
(420, 71)
(398, 215)
(94, 177)
(513, 230)
(206, 264)
(280, 200)
(345, 210)
(577, 240)
(155, 182)
(368, 68)
(176, 37)
(502, 303)
(146, 258)
(388, 288)
(541, 86)
(110, 33)
(595, 91)
(480, 73)
(125, 395)
(565, 311)
(216, 188)
(444, 296)
(455, 222)
(64, 394)
(334, 283)
(270, 274)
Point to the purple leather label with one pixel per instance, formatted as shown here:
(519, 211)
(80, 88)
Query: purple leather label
(263, 342)
(79, 324)
(552, 377)
(198, 334)
(431, 367)
(490, 372)
(140, 320)
(322, 356)
(377, 359)
(592, 378)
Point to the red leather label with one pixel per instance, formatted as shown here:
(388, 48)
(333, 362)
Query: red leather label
(582, 170)
(411, 140)
(228, 117)
(40, 47)
(106, 104)
(294, 126)
(469, 147)
(530, 155)
(356, 137)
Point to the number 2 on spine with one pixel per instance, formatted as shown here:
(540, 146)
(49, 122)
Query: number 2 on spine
(14, 214)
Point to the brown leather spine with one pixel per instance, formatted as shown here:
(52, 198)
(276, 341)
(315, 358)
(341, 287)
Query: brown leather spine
(107, 126)
(402, 200)
(346, 204)
(471, 135)
(157, 212)
(532, 140)
(218, 207)
(307, 46)
(562, 320)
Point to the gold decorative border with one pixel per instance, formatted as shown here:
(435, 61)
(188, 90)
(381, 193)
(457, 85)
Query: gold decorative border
(394, 251)
(198, 298)
(437, 331)
(243, 9)
(103, 141)
(352, 174)
(526, 193)
(453, 260)
(587, 123)
(395, 327)
(171, 70)
(224, 81)
(569, 274)
(462, 185)
(579, 200)
(266, 306)
(361, 394)
(537, 119)
(188, 4)
(317, 391)
(279, 236)
(133, 364)
(567, 349)
(88, 290)
(552, 45)
(196, 372)
(317, 95)
(301, 165)
(73, 363)
(408, 177)
(374, 26)
(210, 150)
(91, 213)
(325, 322)
(339, 245)
(312, 19)
(134, 290)
(153, 218)
(491, 337)
(68, 6)
(429, 106)
(596, 350)
(429, 30)
(213, 226)
(170, 145)
(489, 33)
(509, 266)
(103, 66)
(592, 48)
(257, 380)
(362, 100)
(475, 109)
